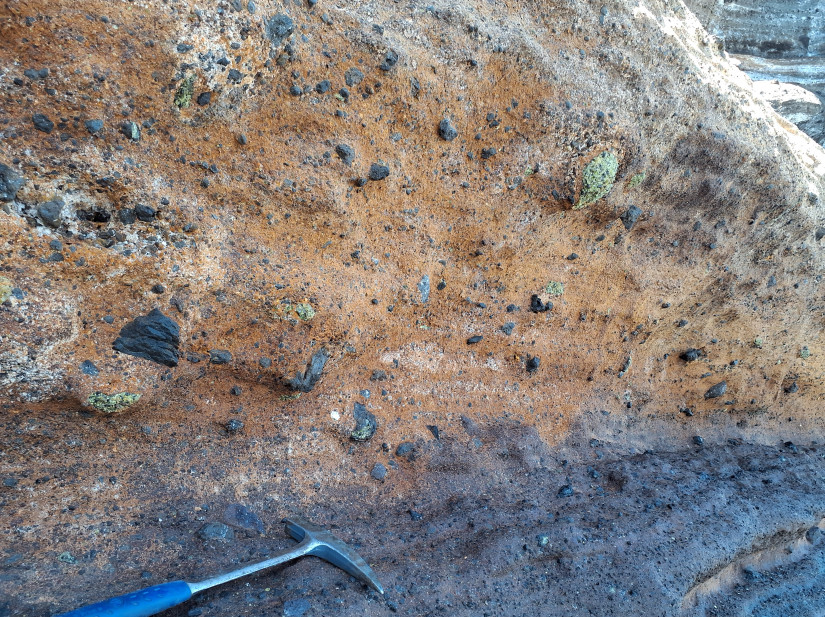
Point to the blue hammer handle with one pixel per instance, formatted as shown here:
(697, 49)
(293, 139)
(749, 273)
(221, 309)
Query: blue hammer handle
(141, 603)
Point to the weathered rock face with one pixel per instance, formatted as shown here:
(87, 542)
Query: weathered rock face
(774, 40)
(794, 103)
(768, 28)
(277, 180)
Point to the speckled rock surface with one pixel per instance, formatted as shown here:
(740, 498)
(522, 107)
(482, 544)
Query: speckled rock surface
(302, 205)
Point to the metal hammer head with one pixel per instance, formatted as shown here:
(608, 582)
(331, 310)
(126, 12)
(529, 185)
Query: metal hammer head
(333, 550)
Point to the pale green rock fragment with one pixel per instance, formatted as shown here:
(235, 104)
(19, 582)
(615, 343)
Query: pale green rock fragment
(597, 179)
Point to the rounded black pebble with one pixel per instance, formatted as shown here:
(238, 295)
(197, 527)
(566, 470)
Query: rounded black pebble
(474, 339)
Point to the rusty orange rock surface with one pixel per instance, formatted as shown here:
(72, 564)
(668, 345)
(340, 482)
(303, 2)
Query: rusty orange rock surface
(244, 233)
(267, 244)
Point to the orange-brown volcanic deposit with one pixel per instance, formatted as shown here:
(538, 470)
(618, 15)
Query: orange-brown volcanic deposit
(256, 214)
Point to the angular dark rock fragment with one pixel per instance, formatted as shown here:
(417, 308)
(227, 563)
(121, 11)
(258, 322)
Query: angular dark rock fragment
(404, 448)
(365, 424)
(126, 216)
(306, 381)
(691, 354)
(345, 153)
(537, 306)
(353, 76)
(94, 126)
(42, 123)
(87, 367)
(153, 337)
(238, 515)
(379, 472)
(145, 213)
(717, 390)
(278, 28)
(94, 215)
(446, 130)
(216, 531)
(378, 171)
(10, 183)
(630, 217)
(51, 212)
(131, 130)
(220, 356)
(233, 426)
(390, 60)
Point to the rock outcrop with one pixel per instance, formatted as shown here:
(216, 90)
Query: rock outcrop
(780, 40)
(792, 102)
(613, 247)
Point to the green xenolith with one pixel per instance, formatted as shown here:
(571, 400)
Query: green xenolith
(554, 288)
(183, 97)
(112, 403)
(5, 289)
(305, 311)
(597, 179)
(636, 180)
